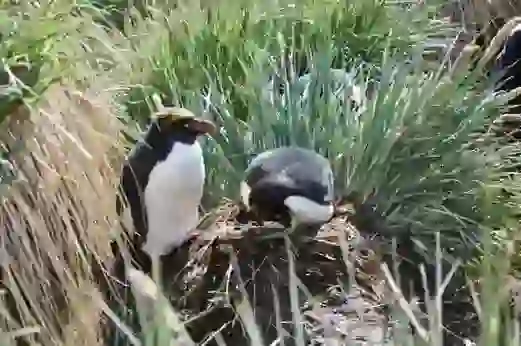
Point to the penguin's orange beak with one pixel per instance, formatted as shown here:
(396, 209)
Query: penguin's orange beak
(202, 126)
(176, 114)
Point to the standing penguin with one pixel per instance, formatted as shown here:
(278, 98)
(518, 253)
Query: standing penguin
(163, 181)
(343, 87)
(504, 51)
(509, 66)
(289, 185)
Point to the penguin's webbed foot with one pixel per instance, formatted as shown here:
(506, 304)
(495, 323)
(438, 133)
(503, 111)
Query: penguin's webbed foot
(246, 216)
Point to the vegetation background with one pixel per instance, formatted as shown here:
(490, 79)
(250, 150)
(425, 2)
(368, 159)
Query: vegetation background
(77, 84)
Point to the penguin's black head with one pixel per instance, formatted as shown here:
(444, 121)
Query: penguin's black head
(180, 121)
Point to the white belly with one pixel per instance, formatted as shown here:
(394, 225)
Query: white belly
(172, 198)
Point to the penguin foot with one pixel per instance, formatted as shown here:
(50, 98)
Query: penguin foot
(246, 216)
(242, 216)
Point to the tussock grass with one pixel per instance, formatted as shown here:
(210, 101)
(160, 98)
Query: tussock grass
(60, 211)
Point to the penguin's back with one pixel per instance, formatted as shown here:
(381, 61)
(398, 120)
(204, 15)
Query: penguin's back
(299, 170)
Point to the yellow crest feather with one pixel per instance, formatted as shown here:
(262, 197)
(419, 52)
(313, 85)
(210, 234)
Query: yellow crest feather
(174, 114)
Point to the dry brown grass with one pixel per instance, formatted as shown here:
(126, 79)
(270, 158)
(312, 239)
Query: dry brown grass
(61, 211)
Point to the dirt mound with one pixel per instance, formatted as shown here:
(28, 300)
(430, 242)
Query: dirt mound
(338, 271)
(343, 291)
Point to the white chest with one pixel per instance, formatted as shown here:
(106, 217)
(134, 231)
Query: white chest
(172, 198)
